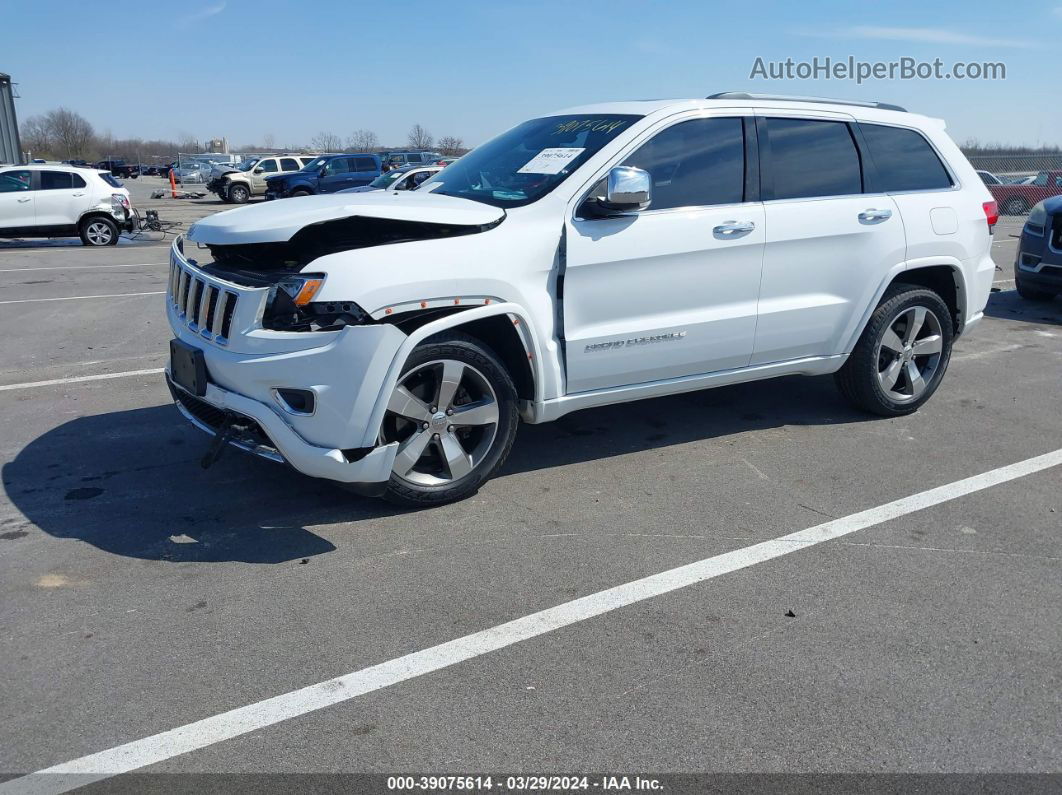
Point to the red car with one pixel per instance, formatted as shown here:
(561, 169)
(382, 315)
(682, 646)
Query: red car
(1019, 199)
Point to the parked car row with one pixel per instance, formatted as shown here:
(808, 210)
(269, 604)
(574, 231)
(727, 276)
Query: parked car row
(1018, 199)
(237, 184)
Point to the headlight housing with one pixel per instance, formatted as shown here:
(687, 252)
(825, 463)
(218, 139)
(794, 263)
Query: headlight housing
(300, 288)
(1037, 219)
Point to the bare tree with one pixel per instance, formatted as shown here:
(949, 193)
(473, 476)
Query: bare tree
(419, 137)
(451, 146)
(37, 136)
(268, 141)
(326, 142)
(71, 131)
(363, 141)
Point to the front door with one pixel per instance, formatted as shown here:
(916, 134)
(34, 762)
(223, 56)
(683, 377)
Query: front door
(264, 169)
(669, 291)
(16, 199)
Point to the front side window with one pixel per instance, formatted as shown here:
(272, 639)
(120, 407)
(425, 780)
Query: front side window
(14, 181)
(695, 163)
(527, 162)
(56, 180)
(813, 158)
(289, 164)
(904, 160)
(339, 165)
(268, 166)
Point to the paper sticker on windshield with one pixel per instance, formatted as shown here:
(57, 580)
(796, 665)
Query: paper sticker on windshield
(551, 161)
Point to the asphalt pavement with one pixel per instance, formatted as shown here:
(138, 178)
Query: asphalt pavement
(140, 593)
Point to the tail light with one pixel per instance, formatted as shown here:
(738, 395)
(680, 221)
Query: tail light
(991, 214)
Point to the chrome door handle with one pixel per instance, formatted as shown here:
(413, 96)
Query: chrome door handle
(875, 215)
(733, 228)
(23, 201)
(78, 194)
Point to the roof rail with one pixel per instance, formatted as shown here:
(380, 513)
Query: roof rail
(784, 97)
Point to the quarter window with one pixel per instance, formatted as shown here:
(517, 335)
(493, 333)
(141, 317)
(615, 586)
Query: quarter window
(904, 160)
(289, 164)
(813, 158)
(695, 163)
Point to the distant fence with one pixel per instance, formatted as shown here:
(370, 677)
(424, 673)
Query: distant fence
(1014, 165)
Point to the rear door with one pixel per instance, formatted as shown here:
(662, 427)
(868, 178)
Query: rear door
(16, 199)
(60, 198)
(339, 174)
(830, 238)
(366, 169)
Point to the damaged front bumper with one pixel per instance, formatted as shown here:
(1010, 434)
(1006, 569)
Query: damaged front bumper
(248, 367)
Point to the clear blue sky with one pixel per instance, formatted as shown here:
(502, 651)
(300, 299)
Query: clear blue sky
(247, 68)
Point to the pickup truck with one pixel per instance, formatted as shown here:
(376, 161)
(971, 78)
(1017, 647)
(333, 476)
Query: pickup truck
(119, 168)
(1019, 199)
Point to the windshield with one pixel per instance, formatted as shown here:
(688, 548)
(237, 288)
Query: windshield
(384, 180)
(524, 164)
(314, 164)
(247, 165)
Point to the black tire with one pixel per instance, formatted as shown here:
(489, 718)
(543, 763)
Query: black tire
(1031, 293)
(1015, 205)
(300, 192)
(481, 361)
(98, 230)
(239, 194)
(859, 380)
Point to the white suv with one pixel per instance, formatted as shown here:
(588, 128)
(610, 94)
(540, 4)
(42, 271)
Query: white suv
(63, 201)
(393, 341)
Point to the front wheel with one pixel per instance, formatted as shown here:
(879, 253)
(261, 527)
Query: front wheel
(454, 415)
(902, 354)
(239, 194)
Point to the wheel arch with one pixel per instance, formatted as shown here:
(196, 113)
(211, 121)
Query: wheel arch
(503, 327)
(943, 275)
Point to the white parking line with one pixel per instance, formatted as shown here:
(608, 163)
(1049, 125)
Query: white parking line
(82, 267)
(216, 729)
(80, 297)
(80, 379)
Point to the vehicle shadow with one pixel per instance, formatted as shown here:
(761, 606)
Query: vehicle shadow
(597, 434)
(130, 482)
(1008, 305)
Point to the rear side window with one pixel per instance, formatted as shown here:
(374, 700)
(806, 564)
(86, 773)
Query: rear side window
(289, 164)
(695, 163)
(364, 164)
(904, 160)
(56, 180)
(813, 158)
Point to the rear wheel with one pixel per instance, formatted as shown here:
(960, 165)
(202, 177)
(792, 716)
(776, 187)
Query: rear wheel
(454, 416)
(1015, 206)
(902, 354)
(98, 230)
(300, 192)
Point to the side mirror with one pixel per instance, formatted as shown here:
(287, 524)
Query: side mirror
(259, 171)
(628, 189)
(323, 171)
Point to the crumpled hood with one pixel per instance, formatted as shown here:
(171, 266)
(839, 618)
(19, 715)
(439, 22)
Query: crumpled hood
(279, 220)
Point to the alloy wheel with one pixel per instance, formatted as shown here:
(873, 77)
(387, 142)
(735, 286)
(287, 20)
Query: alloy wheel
(99, 233)
(444, 414)
(909, 354)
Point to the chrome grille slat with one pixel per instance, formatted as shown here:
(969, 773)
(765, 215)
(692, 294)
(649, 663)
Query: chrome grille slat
(207, 308)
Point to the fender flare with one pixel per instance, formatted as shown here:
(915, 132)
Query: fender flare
(853, 334)
(525, 331)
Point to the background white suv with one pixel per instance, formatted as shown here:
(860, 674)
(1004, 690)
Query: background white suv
(62, 201)
(598, 255)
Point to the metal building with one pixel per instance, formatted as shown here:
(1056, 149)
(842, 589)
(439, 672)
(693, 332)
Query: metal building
(10, 146)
